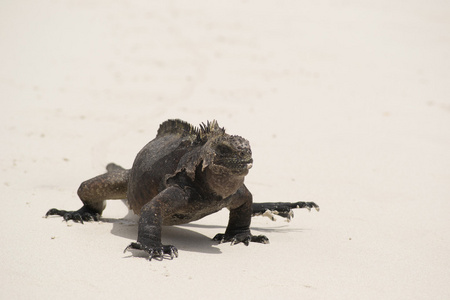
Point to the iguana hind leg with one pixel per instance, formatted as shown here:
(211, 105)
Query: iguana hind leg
(94, 193)
(283, 209)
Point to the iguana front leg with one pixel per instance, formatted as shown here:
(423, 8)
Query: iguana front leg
(238, 229)
(151, 220)
(282, 209)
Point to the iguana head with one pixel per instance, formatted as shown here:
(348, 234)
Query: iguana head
(233, 153)
(223, 160)
(226, 160)
(220, 149)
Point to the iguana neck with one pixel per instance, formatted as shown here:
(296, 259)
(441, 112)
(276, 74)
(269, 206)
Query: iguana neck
(221, 181)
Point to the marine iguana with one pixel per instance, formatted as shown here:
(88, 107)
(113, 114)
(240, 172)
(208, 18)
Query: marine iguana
(183, 175)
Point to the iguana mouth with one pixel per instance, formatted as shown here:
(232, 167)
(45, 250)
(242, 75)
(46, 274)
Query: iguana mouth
(235, 164)
(245, 164)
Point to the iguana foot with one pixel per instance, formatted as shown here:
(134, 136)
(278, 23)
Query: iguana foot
(307, 205)
(155, 251)
(282, 209)
(245, 238)
(81, 215)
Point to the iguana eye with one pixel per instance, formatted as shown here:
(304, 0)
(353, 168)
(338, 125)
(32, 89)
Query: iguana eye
(224, 149)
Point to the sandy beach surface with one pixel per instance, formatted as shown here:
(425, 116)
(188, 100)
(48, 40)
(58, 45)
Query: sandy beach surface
(344, 103)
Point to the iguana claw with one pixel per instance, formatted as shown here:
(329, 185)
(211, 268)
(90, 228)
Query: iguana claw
(282, 209)
(77, 216)
(244, 238)
(154, 251)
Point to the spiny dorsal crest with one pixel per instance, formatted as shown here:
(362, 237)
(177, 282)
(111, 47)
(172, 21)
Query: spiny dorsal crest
(211, 128)
(176, 126)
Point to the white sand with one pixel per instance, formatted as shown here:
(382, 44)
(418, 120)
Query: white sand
(345, 104)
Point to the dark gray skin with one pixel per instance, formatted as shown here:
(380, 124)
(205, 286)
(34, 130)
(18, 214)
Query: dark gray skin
(183, 175)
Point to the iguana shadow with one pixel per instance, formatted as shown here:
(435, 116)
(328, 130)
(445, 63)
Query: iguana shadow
(185, 237)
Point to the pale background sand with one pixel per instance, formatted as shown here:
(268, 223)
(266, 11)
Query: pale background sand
(345, 104)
